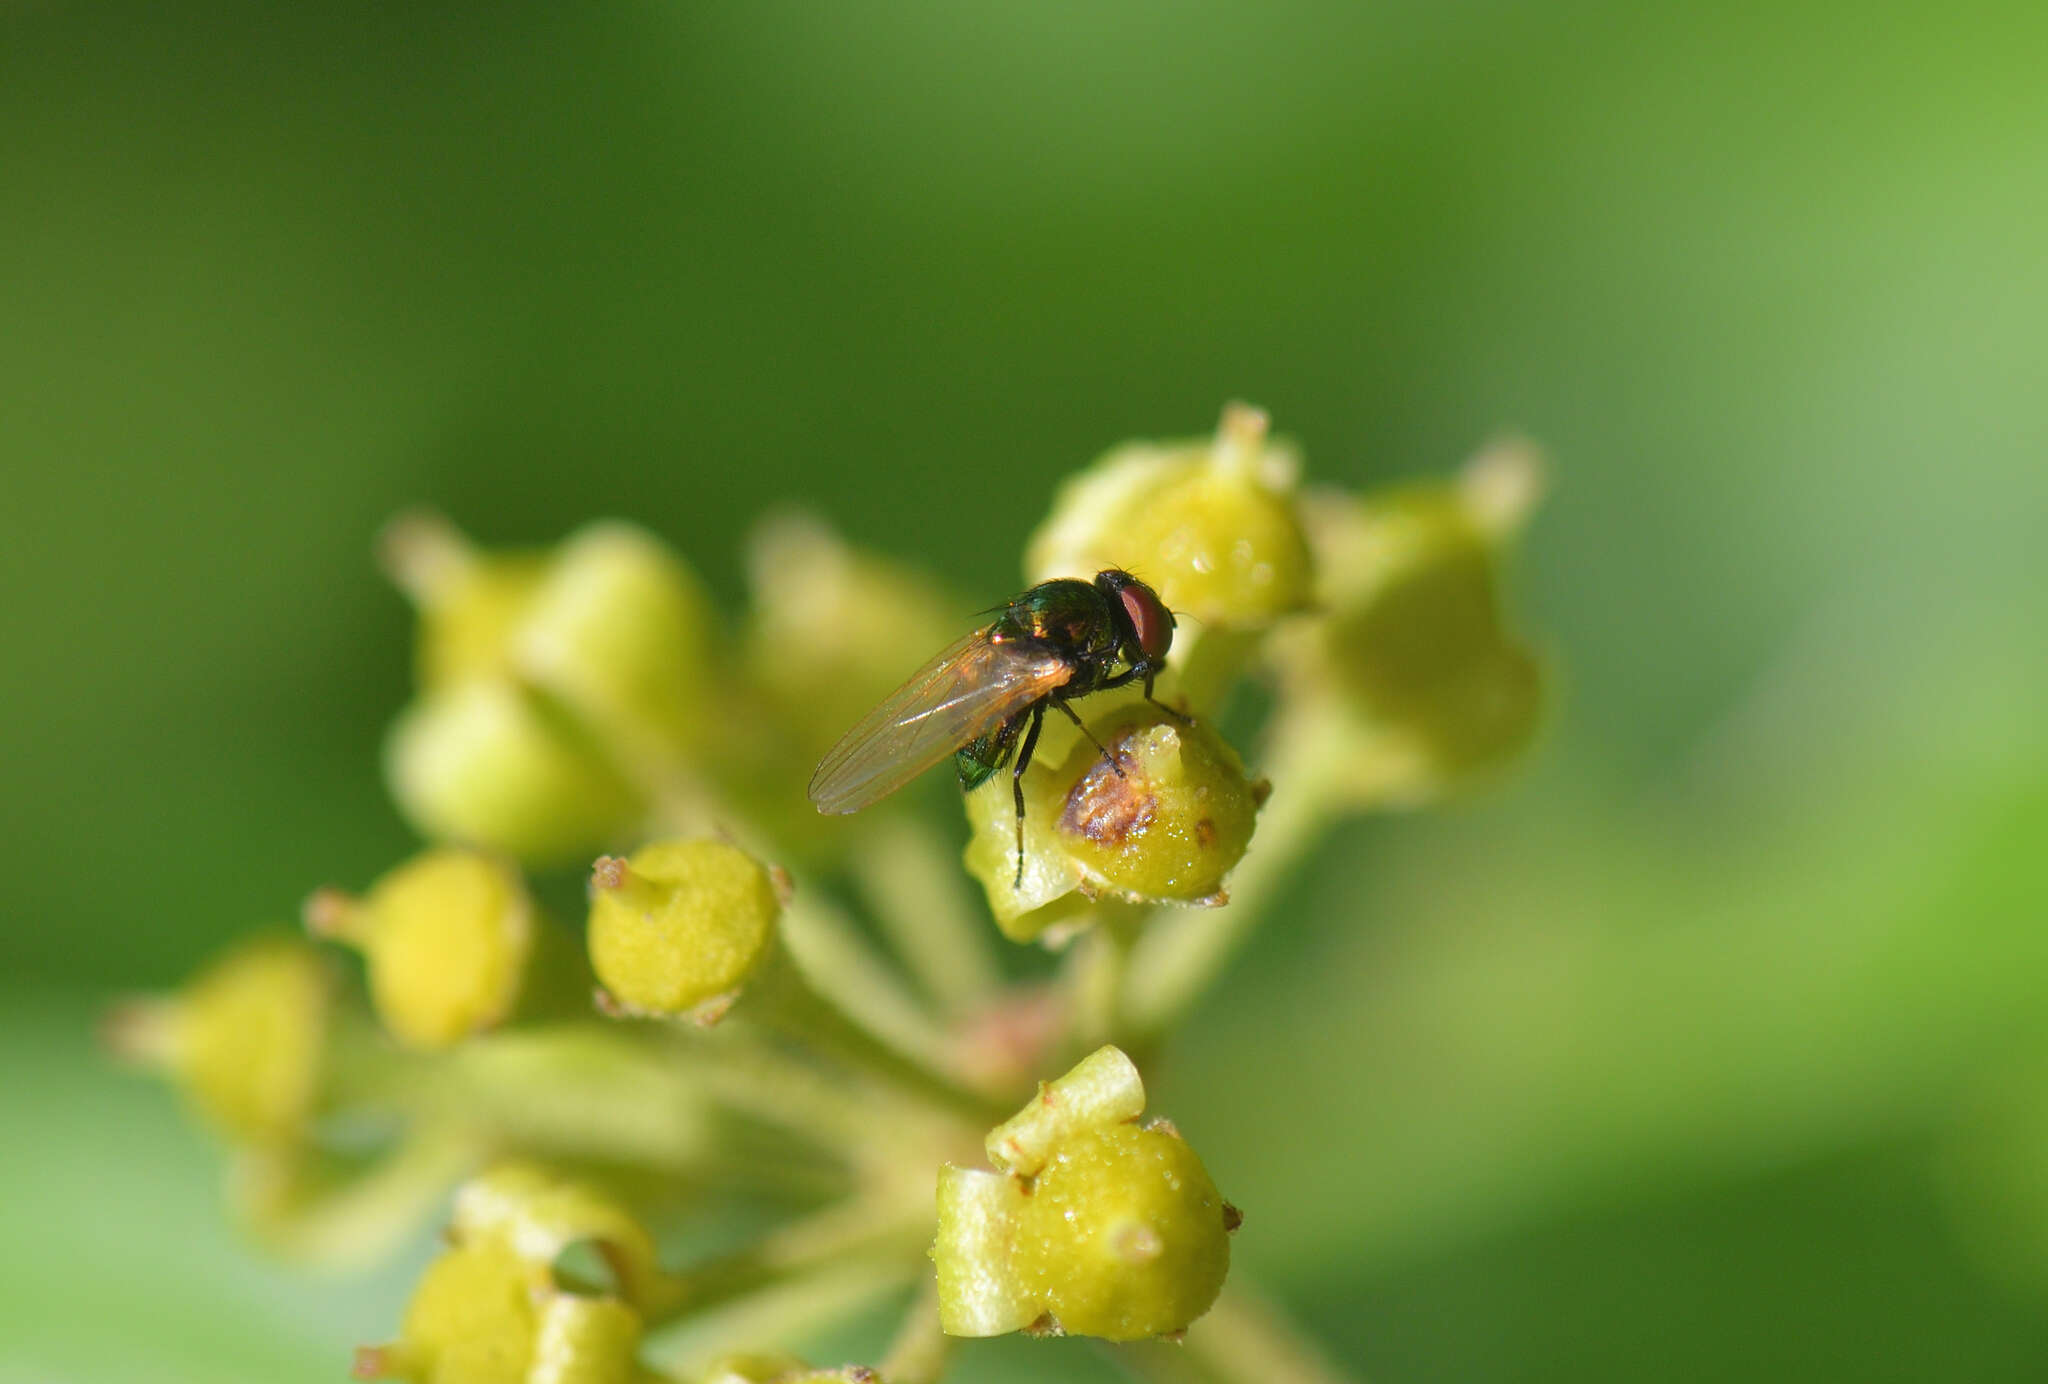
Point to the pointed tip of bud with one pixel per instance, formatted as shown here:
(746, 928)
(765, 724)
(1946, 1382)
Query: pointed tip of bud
(609, 872)
(374, 1362)
(142, 1031)
(1503, 483)
(1241, 435)
(332, 914)
(424, 555)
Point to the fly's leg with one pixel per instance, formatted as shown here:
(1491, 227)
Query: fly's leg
(1017, 784)
(1069, 713)
(1148, 673)
(1180, 716)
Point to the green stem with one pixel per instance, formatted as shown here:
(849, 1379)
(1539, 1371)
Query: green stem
(786, 1000)
(916, 890)
(883, 1226)
(1096, 974)
(1181, 953)
(786, 1312)
(841, 965)
(920, 1352)
(1243, 1339)
(745, 1073)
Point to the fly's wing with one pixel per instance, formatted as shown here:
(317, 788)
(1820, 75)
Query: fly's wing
(975, 684)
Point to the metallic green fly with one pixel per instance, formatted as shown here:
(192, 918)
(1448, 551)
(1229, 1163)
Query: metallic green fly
(976, 701)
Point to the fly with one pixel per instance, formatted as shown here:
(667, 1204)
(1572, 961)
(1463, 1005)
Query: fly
(983, 699)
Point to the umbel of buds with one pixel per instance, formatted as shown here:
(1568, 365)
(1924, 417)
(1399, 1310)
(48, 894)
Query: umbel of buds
(570, 707)
(1091, 1225)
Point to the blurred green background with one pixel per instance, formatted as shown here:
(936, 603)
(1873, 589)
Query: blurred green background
(1715, 1045)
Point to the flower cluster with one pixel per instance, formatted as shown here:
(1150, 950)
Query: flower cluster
(738, 1079)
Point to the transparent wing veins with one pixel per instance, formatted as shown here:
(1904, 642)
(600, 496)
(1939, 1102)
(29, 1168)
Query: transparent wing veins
(970, 686)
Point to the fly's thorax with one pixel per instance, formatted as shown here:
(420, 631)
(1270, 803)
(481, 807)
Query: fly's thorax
(1071, 617)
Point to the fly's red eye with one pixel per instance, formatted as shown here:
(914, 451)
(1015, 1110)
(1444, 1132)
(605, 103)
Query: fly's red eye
(1149, 618)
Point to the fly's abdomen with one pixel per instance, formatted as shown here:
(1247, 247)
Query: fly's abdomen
(978, 760)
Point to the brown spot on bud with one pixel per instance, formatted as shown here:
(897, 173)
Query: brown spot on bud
(1232, 1218)
(1107, 806)
(1205, 831)
(1046, 1325)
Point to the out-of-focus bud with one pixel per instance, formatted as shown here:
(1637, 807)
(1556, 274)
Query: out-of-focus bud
(495, 1309)
(489, 763)
(833, 629)
(1210, 524)
(469, 601)
(1416, 647)
(542, 678)
(448, 938)
(248, 1040)
(1096, 1226)
(1165, 823)
(678, 927)
(618, 633)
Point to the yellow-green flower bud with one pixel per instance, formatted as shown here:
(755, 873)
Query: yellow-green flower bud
(247, 1039)
(617, 633)
(481, 1315)
(1098, 1228)
(680, 925)
(611, 625)
(491, 1309)
(469, 601)
(488, 763)
(1167, 822)
(447, 937)
(1416, 644)
(833, 629)
(1210, 524)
